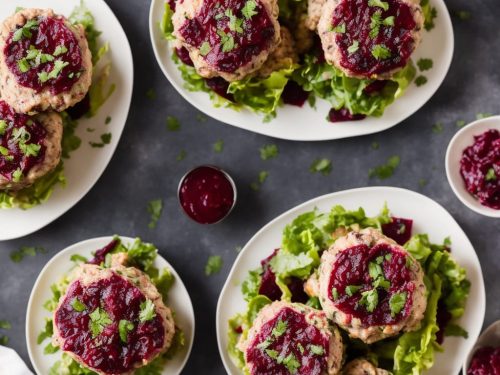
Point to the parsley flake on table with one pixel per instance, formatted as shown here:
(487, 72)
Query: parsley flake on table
(18, 255)
(201, 118)
(463, 15)
(375, 145)
(480, 116)
(248, 9)
(181, 155)
(268, 152)
(4, 340)
(386, 170)
(124, 327)
(397, 303)
(155, 208)
(218, 146)
(323, 166)
(420, 81)
(151, 94)
(353, 47)
(422, 182)
(99, 319)
(5, 324)
(214, 265)
(173, 124)
(381, 52)
(424, 64)
(460, 123)
(147, 312)
(437, 128)
(263, 175)
(105, 140)
(491, 175)
(369, 299)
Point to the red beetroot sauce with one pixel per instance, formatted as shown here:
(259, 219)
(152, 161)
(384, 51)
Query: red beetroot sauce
(398, 229)
(476, 161)
(37, 134)
(357, 17)
(50, 33)
(294, 94)
(206, 194)
(351, 268)
(486, 361)
(121, 300)
(257, 32)
(298, 332)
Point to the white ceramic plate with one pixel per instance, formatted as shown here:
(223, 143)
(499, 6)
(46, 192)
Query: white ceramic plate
(59, 265)
(429, 217)
(86, 164)
(307, 124)
(463, 139)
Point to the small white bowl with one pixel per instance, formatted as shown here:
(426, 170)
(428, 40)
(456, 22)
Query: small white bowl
(490, 337)
(461, 140)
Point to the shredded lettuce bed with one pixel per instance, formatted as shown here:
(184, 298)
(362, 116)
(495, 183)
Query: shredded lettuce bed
(99, 92)
(140, 255)
(302, 243)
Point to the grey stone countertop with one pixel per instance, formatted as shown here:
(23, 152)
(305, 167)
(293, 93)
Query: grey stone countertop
(144, 167)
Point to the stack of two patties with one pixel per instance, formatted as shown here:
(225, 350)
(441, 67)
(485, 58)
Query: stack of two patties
(45, 68)
(367, 285)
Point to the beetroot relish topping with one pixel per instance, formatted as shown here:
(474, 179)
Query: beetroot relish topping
(352, 268)
(343, 114)
(271, 290)
(206, 195)
(100, 255)
(107, 352)
(294, 94)
(357, 16)
(398, 229)
(12, 136)
(183, 55)
(295, 341)
(232, 41)
(480, 168)
(47, 36)
(486, 361)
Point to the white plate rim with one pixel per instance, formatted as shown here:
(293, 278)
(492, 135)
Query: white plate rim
(94, 244)
(465, 137)
(126, 52)
(220, 325)
(266, 129)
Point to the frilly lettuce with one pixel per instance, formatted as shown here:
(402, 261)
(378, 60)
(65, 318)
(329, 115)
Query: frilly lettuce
(166, 25)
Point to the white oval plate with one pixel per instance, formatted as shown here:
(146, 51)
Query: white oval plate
(86, 164)
(308, 124)
(59, 265)
(429, 217)
(460, 141)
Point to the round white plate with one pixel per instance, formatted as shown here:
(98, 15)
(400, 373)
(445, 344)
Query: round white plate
(307, 124)
(86, 164)
(429, 217)
(461, 140)
(59, 265)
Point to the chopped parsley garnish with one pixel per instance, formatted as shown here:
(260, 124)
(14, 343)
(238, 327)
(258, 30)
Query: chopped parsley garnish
(218, 146)
(377, 21)
(381, 282)
(397, 302)
(386, 170)
(323, 166)
(460, 123)
(317, 349)
(147, 312)
(60, 50)
(227, 41)
(18, 255)
(265, 344)
(151, 94)
(388, 21)
(378, 3)
(420, 81)
(301, 348)
(5, 324)
(124, 327)
(105, 140)
(339, 29)
(381, 52)
(30, 149)
(23, 65)
(248, 9)
(291, 363)
(17, 175)
(429, 19)
(214, 265)
(272, 353)
(262, 178)
(424, 64)
(99, 319)
(155, 208)
(205, 48)
(77, 305)
(59, 65)
(491, 175)
(437, 128)
(201, 118)
(455, 330)
(369, 299)
(350, 290)
(280, 328)
(173, 124)
(25, 31)
(268, 152)
(375, 270)
(335, 293)
(3, 127)
(353, 47)
(235, 23)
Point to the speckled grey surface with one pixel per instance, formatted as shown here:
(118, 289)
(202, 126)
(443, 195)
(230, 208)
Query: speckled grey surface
(145, 167)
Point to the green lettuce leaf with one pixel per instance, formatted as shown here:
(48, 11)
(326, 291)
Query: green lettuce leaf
(166, 25)
(329, 83)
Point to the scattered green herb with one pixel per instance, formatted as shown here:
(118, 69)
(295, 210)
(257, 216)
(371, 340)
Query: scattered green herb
(77, 305)
(147, 312)
(108, 120)
(214, 265)
(201, 118)
(173, 124)
(386, 170)
(422, 182)
(369, 299)
(99, 319)
(460, 123)
(317, 349)
(424, 64)
(269, 152)
(420, 81)
(155, 208)
(181, 156)
(5, 324)
(378, 3)
(323, 166)
(397, 303)
(437, 128)
(491, 175)
(124, 327)
(205, 48)
(18, 255)
(151, 94)
(480, 116)
(455, 330)
(463, 15)
(350, 290)
(248, 9)
(375, 145)
(280, 328)
(381, 52)
(105, 140)
(353, 47)
(218, 146)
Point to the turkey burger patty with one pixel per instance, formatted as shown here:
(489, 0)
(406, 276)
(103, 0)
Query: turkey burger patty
(227, 38)
(371, 286)
(45, 61)
(112, 320)
(370, 39)
(291, 338)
